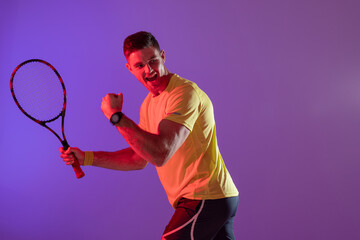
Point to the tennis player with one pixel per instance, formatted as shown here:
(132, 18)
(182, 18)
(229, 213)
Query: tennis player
(177, 135)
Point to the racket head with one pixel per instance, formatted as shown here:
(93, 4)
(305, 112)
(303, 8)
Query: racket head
(38, 90)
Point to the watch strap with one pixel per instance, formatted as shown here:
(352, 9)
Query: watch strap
(116, 117)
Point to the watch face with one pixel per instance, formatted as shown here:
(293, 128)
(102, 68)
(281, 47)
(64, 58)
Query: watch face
(115, 118)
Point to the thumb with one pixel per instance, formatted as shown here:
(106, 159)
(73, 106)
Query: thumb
(69, 150)
(120, 95)
(61, 150)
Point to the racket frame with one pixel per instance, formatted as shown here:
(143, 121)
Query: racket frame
(76, 166)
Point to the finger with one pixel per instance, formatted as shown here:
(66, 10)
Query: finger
(114, 95)
(106, 98)
(70, 163)
(68, 160)
(65, 155)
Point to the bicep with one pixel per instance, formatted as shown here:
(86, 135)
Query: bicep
(173, 135)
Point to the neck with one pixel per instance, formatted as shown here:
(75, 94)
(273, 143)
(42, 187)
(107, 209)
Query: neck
(165, 79)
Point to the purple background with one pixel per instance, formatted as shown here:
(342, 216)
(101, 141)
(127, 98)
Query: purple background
(284, 80)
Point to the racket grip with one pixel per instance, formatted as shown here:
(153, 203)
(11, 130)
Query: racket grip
(77, 169)
(76, 166)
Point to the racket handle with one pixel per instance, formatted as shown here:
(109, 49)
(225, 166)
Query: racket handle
(77, 169)
(76, 166)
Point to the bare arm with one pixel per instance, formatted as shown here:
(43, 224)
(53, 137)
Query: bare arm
(125, 160)
(144, 147)
(154, 148)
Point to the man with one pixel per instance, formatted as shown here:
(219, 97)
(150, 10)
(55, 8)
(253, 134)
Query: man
(177, 135)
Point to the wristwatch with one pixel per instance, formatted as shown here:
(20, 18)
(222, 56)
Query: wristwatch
(116, 117)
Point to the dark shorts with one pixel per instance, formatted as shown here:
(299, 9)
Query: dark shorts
(202, 219)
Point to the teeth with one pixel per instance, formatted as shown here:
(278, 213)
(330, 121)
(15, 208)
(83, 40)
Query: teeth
(152, 77)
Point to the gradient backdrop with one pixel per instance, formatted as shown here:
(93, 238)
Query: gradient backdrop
(284, 80)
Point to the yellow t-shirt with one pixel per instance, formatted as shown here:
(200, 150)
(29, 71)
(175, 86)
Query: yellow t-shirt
(196, 170)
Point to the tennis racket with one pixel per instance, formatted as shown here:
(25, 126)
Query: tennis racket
(39, 92)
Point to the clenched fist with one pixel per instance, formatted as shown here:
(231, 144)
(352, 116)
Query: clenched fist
(70, 154)
(111, 104)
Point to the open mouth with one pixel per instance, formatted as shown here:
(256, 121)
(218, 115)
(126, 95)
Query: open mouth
(151, 78)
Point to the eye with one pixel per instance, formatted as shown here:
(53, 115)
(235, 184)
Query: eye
(139, 66)
(154, 60)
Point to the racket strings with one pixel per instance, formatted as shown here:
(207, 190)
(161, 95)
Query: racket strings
(39, 91)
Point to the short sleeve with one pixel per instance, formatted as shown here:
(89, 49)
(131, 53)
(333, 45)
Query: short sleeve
(183, 106)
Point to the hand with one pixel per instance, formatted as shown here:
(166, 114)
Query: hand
(68, 155)
(111, 104)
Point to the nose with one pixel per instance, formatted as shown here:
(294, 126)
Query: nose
(148, 68)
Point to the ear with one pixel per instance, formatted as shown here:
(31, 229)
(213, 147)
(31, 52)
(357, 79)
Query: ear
(162, 54)
(128, 67)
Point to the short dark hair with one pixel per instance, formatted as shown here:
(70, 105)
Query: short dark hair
(138, 41)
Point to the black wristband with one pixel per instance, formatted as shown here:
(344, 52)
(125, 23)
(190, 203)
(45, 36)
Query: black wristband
(116, 117)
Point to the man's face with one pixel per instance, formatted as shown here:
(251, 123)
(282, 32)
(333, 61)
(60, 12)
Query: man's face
(147, 65)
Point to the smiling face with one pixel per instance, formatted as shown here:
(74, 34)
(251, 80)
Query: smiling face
(147, 65)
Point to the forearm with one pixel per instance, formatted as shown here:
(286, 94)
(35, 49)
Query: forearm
(125, 160)
(148, 146)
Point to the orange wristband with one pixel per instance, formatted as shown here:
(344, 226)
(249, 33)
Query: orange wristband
(89, 158)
